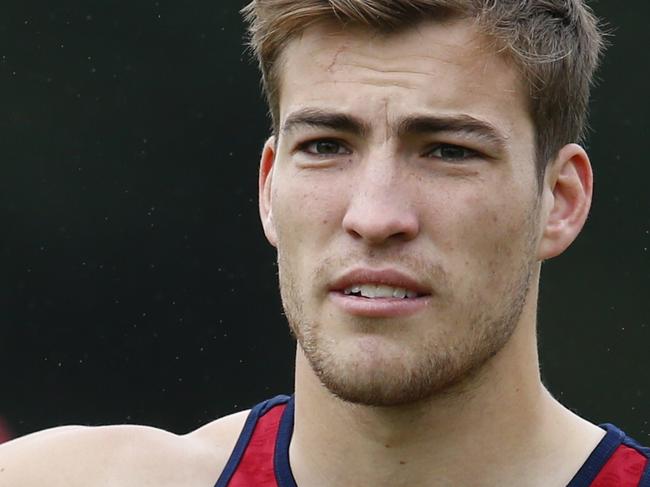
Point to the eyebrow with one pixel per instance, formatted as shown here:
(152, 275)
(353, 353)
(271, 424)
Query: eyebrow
(456, 124)
(315, 117)
(411, 125)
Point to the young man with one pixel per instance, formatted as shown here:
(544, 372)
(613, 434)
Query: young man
(422, 165)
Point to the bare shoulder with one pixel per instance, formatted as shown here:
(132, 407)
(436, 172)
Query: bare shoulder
(123, 455)
(220, 435)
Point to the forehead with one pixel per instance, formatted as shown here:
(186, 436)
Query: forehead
(441, 66)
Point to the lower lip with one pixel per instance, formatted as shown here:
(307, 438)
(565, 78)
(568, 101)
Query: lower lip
(379, 307)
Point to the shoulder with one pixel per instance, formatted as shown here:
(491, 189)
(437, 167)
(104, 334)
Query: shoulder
(616, 460)
(123, 455)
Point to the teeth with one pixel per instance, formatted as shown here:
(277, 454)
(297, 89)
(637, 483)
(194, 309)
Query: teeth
(380, 291)
(352, 290)
(399, 292)
(369, 291)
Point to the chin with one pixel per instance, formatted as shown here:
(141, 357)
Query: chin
(371, 372)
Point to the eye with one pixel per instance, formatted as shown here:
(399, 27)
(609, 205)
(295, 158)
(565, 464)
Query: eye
(451, 153)
(324, 147)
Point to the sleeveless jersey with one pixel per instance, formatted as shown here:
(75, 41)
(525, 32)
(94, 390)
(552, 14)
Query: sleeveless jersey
(261, 456)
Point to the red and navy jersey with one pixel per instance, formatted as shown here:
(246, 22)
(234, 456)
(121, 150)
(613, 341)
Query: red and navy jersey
(261, 455)
(5, 432)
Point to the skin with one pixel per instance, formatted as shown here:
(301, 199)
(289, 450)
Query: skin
(470, 225)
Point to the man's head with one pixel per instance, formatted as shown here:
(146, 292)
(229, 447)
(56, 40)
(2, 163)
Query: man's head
(402, 194)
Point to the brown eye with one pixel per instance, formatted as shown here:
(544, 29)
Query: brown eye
(451, 153)
(325, 148)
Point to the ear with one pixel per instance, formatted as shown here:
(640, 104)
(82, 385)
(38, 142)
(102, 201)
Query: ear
(264, 186)
(568, 185)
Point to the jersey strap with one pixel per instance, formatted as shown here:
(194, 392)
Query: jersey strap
(617, 461)
(261, 455)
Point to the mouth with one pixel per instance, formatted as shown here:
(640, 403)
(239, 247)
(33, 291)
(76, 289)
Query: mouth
(380, 291)
(383, 293)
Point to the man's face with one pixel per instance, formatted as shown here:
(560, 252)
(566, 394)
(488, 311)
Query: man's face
(401, 196)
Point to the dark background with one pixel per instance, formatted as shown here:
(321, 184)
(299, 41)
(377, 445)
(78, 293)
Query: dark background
(135, 281)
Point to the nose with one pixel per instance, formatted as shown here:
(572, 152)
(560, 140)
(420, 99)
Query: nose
(381, 208)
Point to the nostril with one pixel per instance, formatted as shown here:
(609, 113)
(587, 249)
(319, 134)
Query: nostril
(354, 234)
(379, 226)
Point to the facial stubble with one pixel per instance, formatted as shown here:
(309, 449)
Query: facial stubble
(441, 363)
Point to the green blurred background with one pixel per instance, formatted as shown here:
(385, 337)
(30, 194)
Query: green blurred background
(136, 285)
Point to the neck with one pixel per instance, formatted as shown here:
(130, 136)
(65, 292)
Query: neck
(501, 421)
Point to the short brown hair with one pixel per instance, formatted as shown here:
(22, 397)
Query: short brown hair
(555, 45)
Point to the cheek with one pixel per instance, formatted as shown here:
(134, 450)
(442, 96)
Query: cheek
(490, 232)
(305, 213)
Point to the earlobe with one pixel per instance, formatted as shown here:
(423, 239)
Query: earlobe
(267, 164)
(566, 200)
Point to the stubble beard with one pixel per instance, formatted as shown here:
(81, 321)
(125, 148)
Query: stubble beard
(442, 364)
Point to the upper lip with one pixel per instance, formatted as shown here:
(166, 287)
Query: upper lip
(386, 277)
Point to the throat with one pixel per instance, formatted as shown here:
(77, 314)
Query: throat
(339, 443)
